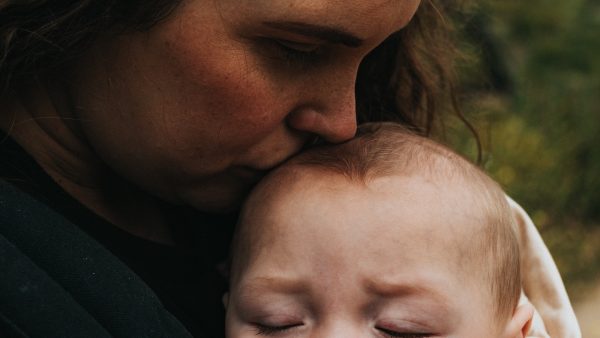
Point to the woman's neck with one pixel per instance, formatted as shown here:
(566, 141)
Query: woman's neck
(41, 119)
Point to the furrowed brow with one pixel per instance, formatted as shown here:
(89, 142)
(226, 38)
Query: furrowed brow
(386, 289)
(277, 284)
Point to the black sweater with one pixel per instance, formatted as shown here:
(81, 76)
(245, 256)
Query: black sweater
(66, 272)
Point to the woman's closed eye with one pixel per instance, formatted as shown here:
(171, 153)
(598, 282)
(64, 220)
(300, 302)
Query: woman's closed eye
(298, 52)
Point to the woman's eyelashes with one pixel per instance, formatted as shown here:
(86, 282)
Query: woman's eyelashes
(297, 53)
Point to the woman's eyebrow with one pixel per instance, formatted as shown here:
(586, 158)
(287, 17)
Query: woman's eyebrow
(325, 33)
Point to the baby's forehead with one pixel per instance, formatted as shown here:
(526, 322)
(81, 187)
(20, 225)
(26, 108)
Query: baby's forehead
(291, 185)
(393, 205)
(369, 226)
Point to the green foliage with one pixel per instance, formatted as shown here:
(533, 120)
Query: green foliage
(541, 123)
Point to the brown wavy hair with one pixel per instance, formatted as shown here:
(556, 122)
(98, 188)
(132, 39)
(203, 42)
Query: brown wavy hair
(408, 79)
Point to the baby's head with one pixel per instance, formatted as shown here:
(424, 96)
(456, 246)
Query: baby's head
(388, 235)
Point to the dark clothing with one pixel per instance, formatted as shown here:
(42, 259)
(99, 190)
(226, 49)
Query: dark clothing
(66, 272)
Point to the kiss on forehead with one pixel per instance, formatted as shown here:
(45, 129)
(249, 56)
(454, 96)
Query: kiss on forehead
(366, 240)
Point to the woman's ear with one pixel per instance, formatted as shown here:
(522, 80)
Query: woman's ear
(520, 323)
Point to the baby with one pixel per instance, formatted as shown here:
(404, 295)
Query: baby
(388, 235)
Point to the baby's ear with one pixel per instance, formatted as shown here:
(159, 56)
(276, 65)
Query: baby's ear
(225, 300)
(520, 323)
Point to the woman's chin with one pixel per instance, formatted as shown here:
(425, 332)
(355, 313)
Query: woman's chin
(217, 196)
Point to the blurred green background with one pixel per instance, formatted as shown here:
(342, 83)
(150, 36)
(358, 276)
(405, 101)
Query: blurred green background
(531, 86)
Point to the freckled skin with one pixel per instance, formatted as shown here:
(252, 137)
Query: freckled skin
(184, 109)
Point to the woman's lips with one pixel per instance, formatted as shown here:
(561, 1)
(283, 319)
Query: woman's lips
(249, 173)
(266, 166)
(267, 160)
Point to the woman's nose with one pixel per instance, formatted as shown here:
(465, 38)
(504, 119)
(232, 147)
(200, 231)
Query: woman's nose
(333, 118)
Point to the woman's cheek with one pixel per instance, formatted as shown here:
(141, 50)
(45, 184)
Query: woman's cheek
(225, 100)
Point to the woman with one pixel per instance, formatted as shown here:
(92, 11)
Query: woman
(120, 118)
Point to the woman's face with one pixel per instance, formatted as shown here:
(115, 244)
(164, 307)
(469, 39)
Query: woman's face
(197, 108)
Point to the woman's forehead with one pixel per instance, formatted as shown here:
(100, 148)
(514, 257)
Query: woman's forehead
(350, 14)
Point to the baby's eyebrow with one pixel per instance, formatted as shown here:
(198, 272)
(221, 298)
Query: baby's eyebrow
(276, 284)
(387, 289)
(442, 306)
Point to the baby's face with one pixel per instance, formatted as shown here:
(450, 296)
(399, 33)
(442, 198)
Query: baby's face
(324, 257)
